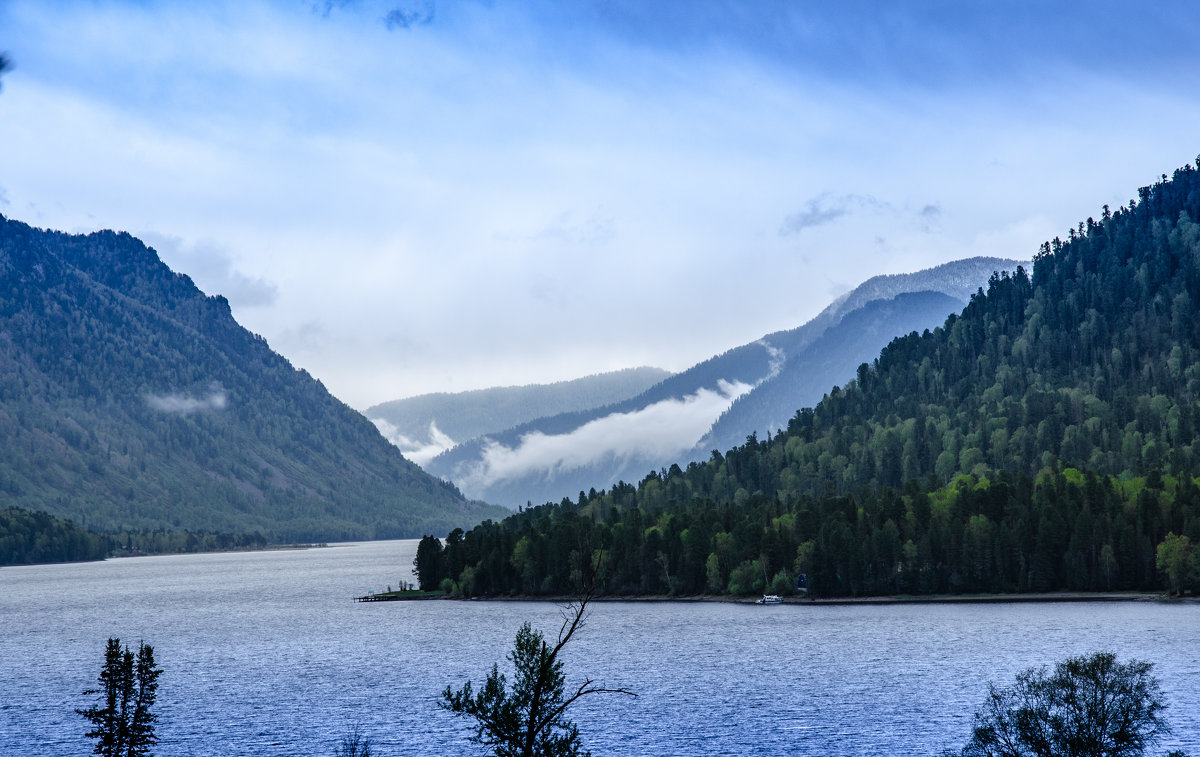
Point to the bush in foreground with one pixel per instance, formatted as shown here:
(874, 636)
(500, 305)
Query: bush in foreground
(1088, 706)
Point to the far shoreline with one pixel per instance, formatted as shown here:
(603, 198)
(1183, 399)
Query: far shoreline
(936, 599)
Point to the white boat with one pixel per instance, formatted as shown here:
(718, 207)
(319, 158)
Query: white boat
(769, 599)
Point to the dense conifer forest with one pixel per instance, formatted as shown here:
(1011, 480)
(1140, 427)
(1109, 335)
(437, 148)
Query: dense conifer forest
(130, 401)
(1043, 439)
(29, 537)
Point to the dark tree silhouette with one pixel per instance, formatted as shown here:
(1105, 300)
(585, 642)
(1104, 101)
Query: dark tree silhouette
(530, 719)
(1089, 706)
(124, 725)
(354, 744)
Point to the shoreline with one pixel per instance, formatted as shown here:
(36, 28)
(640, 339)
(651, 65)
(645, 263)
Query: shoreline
(231, 550)
(935, 599)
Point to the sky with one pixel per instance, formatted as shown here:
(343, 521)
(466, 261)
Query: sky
(440, 195)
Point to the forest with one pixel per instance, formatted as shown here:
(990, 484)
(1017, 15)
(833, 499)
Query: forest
(29, 537)
(1043, 439)
(131, 401)
(1058, 531)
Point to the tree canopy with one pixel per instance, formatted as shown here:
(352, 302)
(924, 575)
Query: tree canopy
(123, 724)
(530, 718)
(1044, 438)
(1088, 706)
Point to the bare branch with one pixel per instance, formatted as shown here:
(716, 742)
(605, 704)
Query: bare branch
(531, 717)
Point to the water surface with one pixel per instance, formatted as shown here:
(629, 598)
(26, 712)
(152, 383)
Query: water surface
(264, 653)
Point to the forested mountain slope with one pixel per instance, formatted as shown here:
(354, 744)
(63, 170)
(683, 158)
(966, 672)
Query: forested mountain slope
(1045, 438)
(812, 370)
(425, 425)
(129, 400)
(672, 421)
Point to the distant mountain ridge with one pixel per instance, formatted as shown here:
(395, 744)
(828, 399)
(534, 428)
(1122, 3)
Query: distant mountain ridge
(827, 361)
(428, 424)
(680, 418)
(130, 400)
(802, 383)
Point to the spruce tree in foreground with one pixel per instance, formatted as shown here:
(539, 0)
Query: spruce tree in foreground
(123, 725)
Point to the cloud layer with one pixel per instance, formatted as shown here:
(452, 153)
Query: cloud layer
(417, 451)
(662, 431)
(494, 193)
(182, 404)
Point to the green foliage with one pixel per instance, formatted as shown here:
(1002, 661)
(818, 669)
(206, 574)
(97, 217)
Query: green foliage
(427, 563)
(1062, 408)
(1093, 706)
(746, 579)
(530, 719)
(123, 726)
(28, 537)
(131, 401)
(1076, 531)
(1177, 561)
(181, 542)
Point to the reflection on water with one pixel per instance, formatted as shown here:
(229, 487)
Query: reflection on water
(265, 653)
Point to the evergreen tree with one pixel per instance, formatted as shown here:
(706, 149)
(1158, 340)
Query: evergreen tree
(124, 725)
(425, 564)
(530, 719)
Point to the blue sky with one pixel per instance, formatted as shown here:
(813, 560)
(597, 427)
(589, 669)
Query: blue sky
(434, 196)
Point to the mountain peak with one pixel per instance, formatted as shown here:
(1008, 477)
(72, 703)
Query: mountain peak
(131, 400)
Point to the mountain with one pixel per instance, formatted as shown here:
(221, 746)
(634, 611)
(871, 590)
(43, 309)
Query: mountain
(753, 385)
(130, 400)
(1045, 438)
(828, 349)
(426, 425)
(817, 367)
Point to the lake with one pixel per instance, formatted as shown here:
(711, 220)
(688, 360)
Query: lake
(265, 653)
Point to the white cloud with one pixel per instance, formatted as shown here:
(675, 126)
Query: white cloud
(414, 449)
(662, 431)
(182, 404)
(777, 358)
(452, 205)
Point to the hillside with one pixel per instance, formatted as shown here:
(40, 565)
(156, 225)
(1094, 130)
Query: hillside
(1045, 438)
(429, 424)
(130, 400)
(818, 366)
(754, 387)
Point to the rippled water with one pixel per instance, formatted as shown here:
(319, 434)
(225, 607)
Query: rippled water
(264, 653)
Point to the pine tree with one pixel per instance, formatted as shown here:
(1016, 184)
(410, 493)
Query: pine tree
(124, 725)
